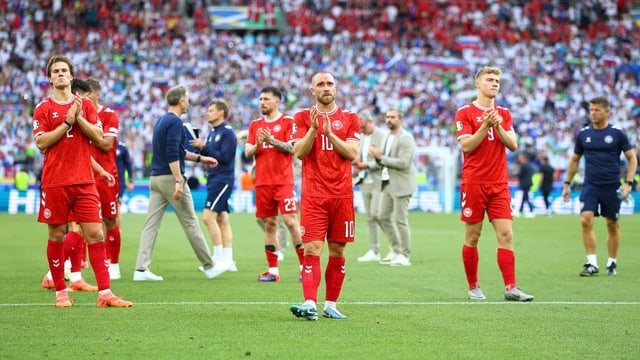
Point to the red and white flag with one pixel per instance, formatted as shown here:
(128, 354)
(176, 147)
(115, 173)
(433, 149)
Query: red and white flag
(269, 15)
(254, 11)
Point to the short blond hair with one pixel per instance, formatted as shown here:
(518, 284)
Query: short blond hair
(487, 70)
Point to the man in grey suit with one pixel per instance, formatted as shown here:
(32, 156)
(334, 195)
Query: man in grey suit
(369, 180)
(398, 179)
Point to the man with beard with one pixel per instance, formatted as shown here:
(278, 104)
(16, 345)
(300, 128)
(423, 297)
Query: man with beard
(398, 184)
(326, 138)
(268, 141)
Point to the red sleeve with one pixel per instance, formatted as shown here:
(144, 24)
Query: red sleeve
(89, 112)
(251, 135)
(41, 123)
(301, 123)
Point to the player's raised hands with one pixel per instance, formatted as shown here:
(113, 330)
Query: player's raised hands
(263, 135)
(326, 125)
(313, 113)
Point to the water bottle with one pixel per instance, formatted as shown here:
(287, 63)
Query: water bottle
(620, 195)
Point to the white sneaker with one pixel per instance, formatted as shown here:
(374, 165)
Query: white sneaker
(114, 271)
(146, 275)
(389, 258)
(280, 255)
(369, 256)
(218, 269)
(401, 260)
(233, 267)
(530, 215)
(476, 294)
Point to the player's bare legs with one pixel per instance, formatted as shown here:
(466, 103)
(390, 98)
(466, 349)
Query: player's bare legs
(291, 221)
(613, 239)
(588, 235)
(220, 232)
(504, 233)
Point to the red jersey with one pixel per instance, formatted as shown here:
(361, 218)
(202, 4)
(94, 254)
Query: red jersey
(487, 164)
(110, 123)
(273, 167)
(324, 172)
(68, 162)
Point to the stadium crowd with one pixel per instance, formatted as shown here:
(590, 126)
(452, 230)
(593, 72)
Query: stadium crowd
(416, 55)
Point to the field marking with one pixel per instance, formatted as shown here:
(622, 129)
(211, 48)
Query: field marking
(363, 303)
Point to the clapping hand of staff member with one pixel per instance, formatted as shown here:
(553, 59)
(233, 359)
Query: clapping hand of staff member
(375, 152)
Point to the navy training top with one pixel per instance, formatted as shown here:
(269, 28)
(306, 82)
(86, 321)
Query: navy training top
(601, 150)
(167, 144)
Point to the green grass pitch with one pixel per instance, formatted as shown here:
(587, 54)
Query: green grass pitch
(418, 312)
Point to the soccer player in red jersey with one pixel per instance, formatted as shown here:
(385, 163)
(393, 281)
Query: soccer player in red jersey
(485, 131)
(326, 138)
(269, 141)
(64, 126)
(104, 152)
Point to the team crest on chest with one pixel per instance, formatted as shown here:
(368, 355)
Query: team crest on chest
(337, 124)
(277, 128)
(608, 139)
(216, 138)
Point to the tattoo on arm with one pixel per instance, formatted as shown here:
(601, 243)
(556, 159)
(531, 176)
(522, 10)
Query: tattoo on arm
(282, 146)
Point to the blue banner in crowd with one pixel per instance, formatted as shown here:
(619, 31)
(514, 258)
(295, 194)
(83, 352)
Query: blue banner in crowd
(137, 201)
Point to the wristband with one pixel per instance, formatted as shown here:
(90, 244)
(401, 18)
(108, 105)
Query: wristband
(198, 158)
(567, 183)
(630, 183)
(68, 124)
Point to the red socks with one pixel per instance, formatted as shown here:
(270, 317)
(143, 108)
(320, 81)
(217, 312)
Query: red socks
(507, 265)
(74, 246)
(99, 264)
(272, 258)
(470, 261)
(55, 256)
(300, 253)
(334, 277)
(311, 276)
(112, 244)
